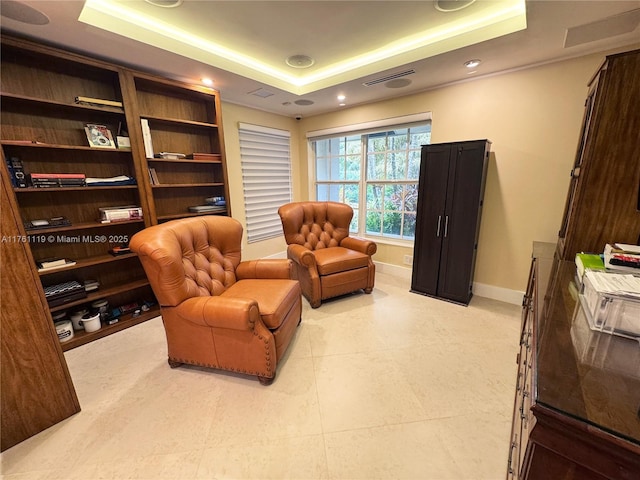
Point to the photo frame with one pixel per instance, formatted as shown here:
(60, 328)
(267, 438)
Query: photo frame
(99, 136)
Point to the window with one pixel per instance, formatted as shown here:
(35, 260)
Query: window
(376, 173)
(266, 178)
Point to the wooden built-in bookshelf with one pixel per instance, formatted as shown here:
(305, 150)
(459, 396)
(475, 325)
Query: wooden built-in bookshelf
(43, 127)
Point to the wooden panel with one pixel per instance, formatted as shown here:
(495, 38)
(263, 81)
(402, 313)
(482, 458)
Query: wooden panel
(434, 171)
(182, 138)
(36, 389)
(462, 219)
(159, 99)
(34, 74)
(607, 192)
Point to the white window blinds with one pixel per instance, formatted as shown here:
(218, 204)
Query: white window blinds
(266, 178)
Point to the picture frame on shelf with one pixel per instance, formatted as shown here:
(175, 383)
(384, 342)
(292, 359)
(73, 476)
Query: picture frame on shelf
(99, 136)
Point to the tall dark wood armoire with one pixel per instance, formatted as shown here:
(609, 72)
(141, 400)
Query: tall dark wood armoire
(450, 195)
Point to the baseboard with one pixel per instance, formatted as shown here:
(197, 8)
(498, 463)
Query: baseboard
(498, 293)
(480, 289)
(395, 270)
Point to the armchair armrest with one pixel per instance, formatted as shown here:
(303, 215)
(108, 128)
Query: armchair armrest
(220, 312)
(359, 244)
(301, 255)
(269, 268)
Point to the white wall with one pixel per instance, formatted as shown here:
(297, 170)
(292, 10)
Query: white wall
(533, 118)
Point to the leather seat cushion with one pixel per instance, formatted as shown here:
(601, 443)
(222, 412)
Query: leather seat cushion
(338, 259)
(275, 297)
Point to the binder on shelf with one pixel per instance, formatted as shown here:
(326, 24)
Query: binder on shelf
(146, 136)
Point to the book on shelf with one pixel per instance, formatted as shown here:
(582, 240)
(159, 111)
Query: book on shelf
(588, 261)
(213, 157)
(621, 257)
(120, 214)
(47, 180)
(153, 176)
(53, 263)
(118, 180)
(207, 209)
(146, 136)
(97, 102)
(170, 155)
(16, 172)
(99, 136)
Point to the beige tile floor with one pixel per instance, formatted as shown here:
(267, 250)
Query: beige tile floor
(391, 385)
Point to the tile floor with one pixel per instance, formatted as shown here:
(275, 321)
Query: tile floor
(391, 385)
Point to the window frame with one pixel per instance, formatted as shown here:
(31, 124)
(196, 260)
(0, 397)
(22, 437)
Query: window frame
(364, 131)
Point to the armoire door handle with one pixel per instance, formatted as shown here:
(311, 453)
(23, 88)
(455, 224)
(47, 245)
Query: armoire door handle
(439, 222)
(446, 225)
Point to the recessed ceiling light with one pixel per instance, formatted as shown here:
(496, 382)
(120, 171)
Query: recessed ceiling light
(342, 104)
(165, 3)
(341, 97)
(207, 81)
(304, 102)
(472, 63)
(452, 5)
(23, 13)
(300, 61)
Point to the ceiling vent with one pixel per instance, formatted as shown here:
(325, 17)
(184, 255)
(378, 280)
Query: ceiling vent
(393, 76)
(262, 93)
(605, 28)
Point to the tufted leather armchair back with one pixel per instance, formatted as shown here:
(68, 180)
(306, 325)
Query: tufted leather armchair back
(315, 225)
(190, 257)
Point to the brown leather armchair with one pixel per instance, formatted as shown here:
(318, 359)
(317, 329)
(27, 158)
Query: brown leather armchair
(327, 260)
(217, 311)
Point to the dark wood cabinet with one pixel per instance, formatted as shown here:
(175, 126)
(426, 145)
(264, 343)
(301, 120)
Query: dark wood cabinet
(450, 196)
(602, 204)
(575, 414)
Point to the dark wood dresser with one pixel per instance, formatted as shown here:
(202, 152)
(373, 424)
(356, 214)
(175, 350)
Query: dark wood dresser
(577, 404)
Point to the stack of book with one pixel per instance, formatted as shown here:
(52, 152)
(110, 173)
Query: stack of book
(48, 180)
(53, 263)
(212, 157)
(207, 209)
(622, 257)
(120, 214)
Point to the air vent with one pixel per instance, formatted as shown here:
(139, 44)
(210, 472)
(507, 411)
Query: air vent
(393, 76)
(262, 93)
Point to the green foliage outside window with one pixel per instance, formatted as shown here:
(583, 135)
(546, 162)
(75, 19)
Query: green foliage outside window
(390, 162)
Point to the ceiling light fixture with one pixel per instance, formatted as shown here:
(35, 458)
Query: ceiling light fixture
(472, 63)
(453, 5)
(341, 97)
(165, 3)
(300, 61)
(207, 81)
(22, 12)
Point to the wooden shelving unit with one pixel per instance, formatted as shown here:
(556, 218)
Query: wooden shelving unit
(43, 127)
